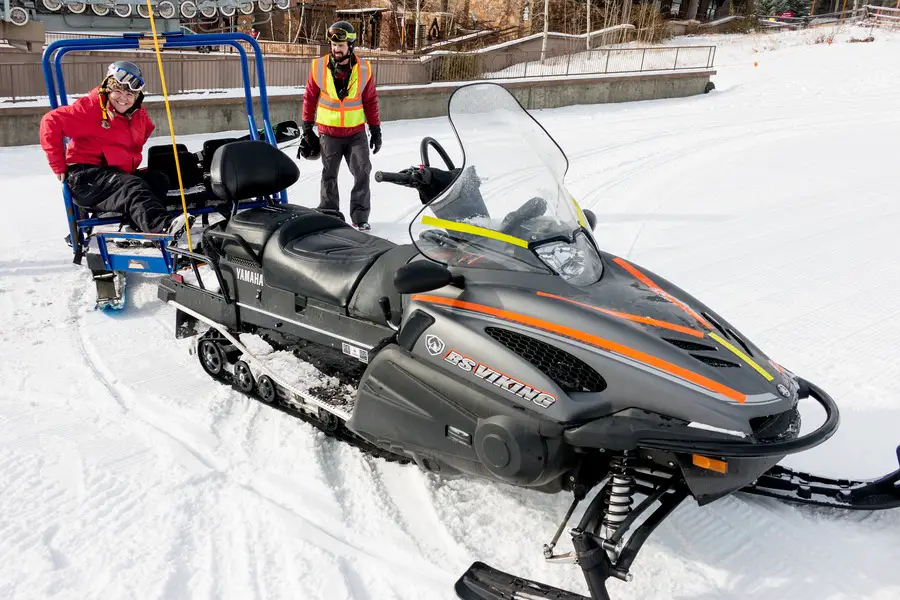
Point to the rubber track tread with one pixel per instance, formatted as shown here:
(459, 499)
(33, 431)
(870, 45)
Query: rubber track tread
(335, 427)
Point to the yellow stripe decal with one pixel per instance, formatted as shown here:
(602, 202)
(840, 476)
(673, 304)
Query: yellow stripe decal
(581, 217)
(743, 356)
(474, 230)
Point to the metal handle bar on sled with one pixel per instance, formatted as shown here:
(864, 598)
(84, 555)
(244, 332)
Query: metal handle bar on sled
(232, 237)
(131, 40)
(199, 258)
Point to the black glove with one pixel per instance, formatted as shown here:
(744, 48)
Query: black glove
(375, 140)
(310, 148)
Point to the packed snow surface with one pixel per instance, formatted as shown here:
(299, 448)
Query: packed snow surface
(127, 473)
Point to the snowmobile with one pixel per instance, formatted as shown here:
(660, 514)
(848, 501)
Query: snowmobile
(502, 343)
(119, 251)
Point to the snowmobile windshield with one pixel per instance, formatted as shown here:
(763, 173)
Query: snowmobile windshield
(508, 208)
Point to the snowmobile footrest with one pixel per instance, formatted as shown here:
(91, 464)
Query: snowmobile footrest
(482, 582)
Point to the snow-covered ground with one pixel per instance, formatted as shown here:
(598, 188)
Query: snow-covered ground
(126, 473)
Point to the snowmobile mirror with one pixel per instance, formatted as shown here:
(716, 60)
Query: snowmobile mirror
(421, 276)
(591, 218)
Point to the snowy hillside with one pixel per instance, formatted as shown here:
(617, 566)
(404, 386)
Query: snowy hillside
(126, 473)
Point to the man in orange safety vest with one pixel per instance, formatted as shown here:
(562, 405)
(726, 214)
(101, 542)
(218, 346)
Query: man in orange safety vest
(340, 98)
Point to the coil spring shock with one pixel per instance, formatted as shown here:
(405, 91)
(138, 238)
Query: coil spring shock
(619, 498)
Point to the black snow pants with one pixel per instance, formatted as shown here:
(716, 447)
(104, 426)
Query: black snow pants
(140, 197)
(355, 150)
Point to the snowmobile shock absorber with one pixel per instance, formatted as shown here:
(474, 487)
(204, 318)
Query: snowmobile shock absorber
(618, 500)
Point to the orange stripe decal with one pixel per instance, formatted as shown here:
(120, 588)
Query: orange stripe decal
(587, 338)
(630, 317)
(649, 283)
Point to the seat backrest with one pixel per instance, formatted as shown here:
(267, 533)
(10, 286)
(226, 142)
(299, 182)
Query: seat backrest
(163, 160)
(209, 149)
(158, 149)
(250, 168)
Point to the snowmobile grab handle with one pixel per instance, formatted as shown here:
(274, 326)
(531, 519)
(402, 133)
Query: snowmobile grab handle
(757, 449)
(212, 233)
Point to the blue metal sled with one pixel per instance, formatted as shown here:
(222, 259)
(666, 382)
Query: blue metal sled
(81, 221)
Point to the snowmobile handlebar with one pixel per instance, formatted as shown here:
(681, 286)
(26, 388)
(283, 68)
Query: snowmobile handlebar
(404, 178)
(749, 449)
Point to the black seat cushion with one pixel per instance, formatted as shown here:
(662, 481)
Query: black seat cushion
(378, 282)
(257, 225)
(249, 169)
(325, 265)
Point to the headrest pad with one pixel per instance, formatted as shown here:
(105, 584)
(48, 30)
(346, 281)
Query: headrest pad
(251, 168)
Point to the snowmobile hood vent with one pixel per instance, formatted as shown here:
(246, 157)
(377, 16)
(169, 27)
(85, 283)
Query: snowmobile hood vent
(690, 346)
(570, 373)
(715, 362)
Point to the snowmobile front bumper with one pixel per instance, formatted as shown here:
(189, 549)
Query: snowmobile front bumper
(750, 448)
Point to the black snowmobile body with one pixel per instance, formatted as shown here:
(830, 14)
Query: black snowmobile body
(503, 344)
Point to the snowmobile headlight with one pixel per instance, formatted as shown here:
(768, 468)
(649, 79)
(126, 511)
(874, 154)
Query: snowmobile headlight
(576, 262)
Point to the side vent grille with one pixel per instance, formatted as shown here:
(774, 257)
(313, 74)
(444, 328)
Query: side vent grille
(715, 324)
(741, 342)
(715, 362)
(568, 372)
(690, 346)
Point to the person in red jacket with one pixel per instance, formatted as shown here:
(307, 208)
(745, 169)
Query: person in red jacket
(108, 129)
(340, 98)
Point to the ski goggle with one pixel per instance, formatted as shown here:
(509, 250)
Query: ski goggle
(126, 78)
(340, 35)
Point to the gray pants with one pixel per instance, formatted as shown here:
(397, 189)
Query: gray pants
(355, 150)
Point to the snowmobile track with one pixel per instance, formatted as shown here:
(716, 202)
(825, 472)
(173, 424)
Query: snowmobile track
(333, 425)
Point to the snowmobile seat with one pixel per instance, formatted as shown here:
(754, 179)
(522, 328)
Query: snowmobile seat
(320, 256)
(245, 169)
(257, 225)
(378, 282)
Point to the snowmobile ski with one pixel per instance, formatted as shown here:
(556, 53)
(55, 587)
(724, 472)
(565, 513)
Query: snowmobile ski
(804, 488)
(484, 582)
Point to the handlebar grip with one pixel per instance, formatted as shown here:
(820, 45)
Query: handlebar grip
(398, 178)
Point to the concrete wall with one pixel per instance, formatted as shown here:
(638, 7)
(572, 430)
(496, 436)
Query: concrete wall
(19, 125)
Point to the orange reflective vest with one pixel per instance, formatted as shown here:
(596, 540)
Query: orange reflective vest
(331, 110)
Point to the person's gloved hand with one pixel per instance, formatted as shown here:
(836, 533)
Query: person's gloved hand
(375, 140)
(310, 148)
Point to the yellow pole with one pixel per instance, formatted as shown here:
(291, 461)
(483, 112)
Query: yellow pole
(162, 78)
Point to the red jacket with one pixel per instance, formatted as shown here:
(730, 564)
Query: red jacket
(369, 100)
(119, 146)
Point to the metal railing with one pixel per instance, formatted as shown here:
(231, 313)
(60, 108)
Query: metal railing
(885, 15)
(221, 73)
(604, 61)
